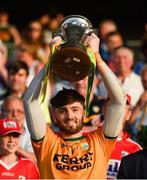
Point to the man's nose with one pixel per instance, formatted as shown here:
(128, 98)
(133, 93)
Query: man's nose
(69, 114)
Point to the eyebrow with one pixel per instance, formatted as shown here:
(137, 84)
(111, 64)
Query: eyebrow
(72, 107)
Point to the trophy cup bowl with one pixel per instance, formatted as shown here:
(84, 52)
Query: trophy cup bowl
(70, 61)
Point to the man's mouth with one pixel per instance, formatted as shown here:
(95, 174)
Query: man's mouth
(70, 121)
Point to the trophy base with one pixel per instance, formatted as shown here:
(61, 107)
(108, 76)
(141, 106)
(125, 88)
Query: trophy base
(71, 64)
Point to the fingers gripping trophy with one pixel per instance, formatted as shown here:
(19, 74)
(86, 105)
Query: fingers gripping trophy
(71, 59)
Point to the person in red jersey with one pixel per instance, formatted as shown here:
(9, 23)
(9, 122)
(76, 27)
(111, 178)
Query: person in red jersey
(124, 146)
(13, 166)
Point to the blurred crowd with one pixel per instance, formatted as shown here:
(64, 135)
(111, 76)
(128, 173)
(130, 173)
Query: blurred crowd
(23, 54)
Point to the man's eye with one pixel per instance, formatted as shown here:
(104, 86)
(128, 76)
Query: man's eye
(62, 111)
(75, 110)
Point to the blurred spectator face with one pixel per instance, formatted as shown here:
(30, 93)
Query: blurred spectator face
(23, 54)
(3, 53)
(114, 41)
(81, 86)
(54, 24)
(45, 19)
(60, 17)
(17, 81)
(4, 17)
(9, 143)
(124, 59)
(106, 27)
(13, 108)
(26, 53)
(35, 30)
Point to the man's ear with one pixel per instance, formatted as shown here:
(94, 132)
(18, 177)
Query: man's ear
(53, 114)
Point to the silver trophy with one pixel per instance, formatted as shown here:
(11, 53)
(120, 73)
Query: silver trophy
(70, 61)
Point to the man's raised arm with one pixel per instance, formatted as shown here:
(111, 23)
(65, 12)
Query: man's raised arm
(35, 117)
(116, 106)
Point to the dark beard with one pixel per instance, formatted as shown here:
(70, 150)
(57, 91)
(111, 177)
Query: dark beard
(71, 131)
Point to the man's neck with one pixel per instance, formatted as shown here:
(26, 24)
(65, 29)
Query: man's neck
(67, 136)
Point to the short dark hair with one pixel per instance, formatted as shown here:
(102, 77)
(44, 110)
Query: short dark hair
(66, 96)
(16, 65)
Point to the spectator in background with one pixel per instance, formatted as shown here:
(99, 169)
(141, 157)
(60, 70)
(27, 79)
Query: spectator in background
(137, 126)
(9, 33)
(17, 79)
(124, 146)
(3, 67)
(56, 18)
(140, 64)
(12, 107)
(27, 53)
(12, 165)
(130, 81)
(105, 27)
(45, 21)
(33, 36)
(50, 22)
(114, 40)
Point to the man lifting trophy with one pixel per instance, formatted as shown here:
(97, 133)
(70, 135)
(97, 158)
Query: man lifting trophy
(70, 60)
(70, 153)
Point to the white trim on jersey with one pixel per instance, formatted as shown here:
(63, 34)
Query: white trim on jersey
(8, 167)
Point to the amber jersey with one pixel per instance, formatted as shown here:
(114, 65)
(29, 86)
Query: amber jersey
(86, 158)
(21, 169)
